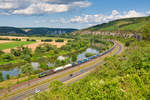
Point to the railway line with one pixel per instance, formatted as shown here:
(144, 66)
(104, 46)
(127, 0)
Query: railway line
(67, 77)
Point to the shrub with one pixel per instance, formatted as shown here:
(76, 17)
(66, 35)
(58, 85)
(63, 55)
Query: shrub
(47, 40)
(8, 76)
(44, 66)
(59, 40)
(127, 44)
(89, 54)
(31, 40)
(1, 77)
(69, 41)
(7, 57)
(1, 52)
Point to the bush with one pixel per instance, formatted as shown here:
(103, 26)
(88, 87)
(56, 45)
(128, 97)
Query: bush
(4, 39)
(47, 40)
(69, 41)
(146, 32)
(8, 76)
(26, 57)
(40, 49)
(74, 57)
(31, 40)
(89, 54)
(1, 52)
(44, 66)
(7, 57)
(127, 44)
(1, 77)
(59, 40)
(16, 52)
(16, 39)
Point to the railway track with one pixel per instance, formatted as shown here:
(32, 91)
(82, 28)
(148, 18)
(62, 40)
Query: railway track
(43, 87)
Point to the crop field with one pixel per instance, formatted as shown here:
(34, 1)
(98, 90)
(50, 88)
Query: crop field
(35, 38)
(34, 45)
(8, 45)
(4, 41)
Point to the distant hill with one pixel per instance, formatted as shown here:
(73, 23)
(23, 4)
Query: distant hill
(128, 25)
(34, 31)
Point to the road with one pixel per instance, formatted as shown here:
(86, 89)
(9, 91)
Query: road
(64, 79)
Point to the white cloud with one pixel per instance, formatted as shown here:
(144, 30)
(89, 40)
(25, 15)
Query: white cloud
(30, 7)
(101, 18)
(148, 13)
(132, 13)
(42, 8)
(81, 4)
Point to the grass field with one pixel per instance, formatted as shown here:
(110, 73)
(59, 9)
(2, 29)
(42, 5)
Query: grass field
(14, 44)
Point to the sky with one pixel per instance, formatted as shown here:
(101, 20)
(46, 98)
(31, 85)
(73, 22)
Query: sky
(68, 13)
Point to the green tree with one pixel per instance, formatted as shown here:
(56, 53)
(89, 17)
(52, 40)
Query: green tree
(18, 76)
(44, 66)
(1, 77)
(55, 86)
(7, 57)
(8, 76)
(59, 40)
(40, 49)
(74, 57)
(26, 51)
(146, 32)
(89, 54)
(26, 57)
(1, 52)
(27, 69)
(16, 52)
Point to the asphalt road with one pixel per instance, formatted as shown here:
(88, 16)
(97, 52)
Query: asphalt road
(45, 86)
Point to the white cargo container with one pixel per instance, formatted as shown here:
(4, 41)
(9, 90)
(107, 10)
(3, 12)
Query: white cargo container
(58, 68)
(67, 66)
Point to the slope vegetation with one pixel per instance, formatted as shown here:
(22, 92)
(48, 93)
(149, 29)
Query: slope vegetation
(125, 77)
(129, 25)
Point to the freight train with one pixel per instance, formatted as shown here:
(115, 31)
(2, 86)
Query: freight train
(61, 68)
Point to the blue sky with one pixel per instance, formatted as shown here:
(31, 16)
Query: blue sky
(68, 13)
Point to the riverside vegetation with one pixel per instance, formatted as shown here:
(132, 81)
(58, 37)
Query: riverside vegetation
(46, 52)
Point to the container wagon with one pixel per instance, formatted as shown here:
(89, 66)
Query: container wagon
(67, 66)
(58, 69)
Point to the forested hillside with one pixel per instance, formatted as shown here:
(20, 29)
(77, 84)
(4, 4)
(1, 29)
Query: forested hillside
(128, 25)
(34, 31)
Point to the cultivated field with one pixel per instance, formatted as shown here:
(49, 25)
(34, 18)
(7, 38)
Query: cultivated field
(36, 38)
(7, 45)
(4, 41)
(14, 37)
